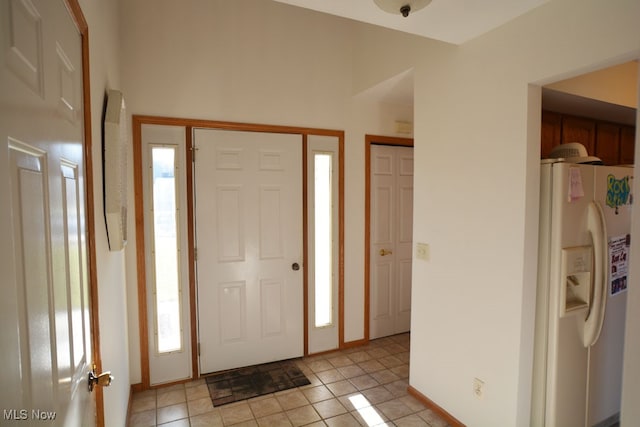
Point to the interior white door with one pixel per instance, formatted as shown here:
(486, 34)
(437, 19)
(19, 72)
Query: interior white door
(248, 222)
(44, 310)
(391, 239)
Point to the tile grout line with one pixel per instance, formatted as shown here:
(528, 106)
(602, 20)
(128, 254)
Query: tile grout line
(386, 349)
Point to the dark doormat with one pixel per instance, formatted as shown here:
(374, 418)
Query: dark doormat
(245, 383)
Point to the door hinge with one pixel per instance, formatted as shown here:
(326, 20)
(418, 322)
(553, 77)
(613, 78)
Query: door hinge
(195, 254)
(193, 153)
(198, 349)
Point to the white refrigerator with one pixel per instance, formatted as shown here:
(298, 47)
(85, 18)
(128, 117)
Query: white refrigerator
(585, 215)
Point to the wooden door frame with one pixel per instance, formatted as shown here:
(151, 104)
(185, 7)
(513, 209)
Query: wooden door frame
(189, 124)
(370, 140)
(83, 29)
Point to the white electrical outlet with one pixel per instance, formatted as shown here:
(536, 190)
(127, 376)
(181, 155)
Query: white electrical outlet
(478, 388)
(422, 251)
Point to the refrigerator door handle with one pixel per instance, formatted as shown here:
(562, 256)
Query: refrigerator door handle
(598, 229)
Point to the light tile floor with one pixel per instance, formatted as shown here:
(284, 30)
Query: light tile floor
(361, 386)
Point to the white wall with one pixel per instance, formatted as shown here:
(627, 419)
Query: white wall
(258, 62)
(368, 114)
(102, 18)
(476, 129)
(237, 61)
(477, 144)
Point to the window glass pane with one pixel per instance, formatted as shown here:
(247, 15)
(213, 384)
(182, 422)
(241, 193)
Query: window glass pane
(166, 250)
(323, 240)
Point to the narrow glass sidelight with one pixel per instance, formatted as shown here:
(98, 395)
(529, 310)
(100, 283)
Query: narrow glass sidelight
(166, 250)
(323, 231)
(323, 250)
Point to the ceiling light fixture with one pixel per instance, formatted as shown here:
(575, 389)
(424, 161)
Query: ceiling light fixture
(402, 7)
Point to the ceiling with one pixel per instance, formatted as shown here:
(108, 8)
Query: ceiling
(396, 90)
(456, 21)
(452, 21)
(576, 105)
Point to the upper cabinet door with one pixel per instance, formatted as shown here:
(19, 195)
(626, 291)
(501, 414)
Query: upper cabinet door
(614, 143)
(627, 144)
(550, 132)
(575, 129)
(608, 143)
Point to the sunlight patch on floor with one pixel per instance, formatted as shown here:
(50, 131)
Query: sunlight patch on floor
(366, 411)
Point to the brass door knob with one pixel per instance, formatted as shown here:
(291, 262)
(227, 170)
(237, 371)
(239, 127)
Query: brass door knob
(384, 252)
(104, 379)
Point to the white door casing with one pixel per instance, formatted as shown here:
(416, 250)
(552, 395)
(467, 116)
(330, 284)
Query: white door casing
(248, 226)
(44, 310)
(391, 239)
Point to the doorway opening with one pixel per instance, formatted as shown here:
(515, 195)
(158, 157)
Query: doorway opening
(598, 111)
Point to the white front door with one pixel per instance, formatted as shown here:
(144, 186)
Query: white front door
(45, 327)
(248, 222)
(391, 239)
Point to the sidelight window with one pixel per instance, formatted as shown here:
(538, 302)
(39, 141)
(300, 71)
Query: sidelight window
(166, 250)
(323, 233)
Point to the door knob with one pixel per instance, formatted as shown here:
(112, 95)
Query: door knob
(104, 379)
(384, 252)
(295, 266)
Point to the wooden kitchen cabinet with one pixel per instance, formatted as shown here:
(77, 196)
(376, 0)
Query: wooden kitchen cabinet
(627, 144)
(551, 132)
(614, 143)
(577, 129)
(608, 143)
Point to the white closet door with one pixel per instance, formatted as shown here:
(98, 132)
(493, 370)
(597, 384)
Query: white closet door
(248, 196)
(391, 239)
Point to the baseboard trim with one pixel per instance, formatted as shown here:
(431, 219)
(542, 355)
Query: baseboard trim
(132, 389)
(344, 346)
(322, 353)
(138, 387)
(450, 419)
(351, 344)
